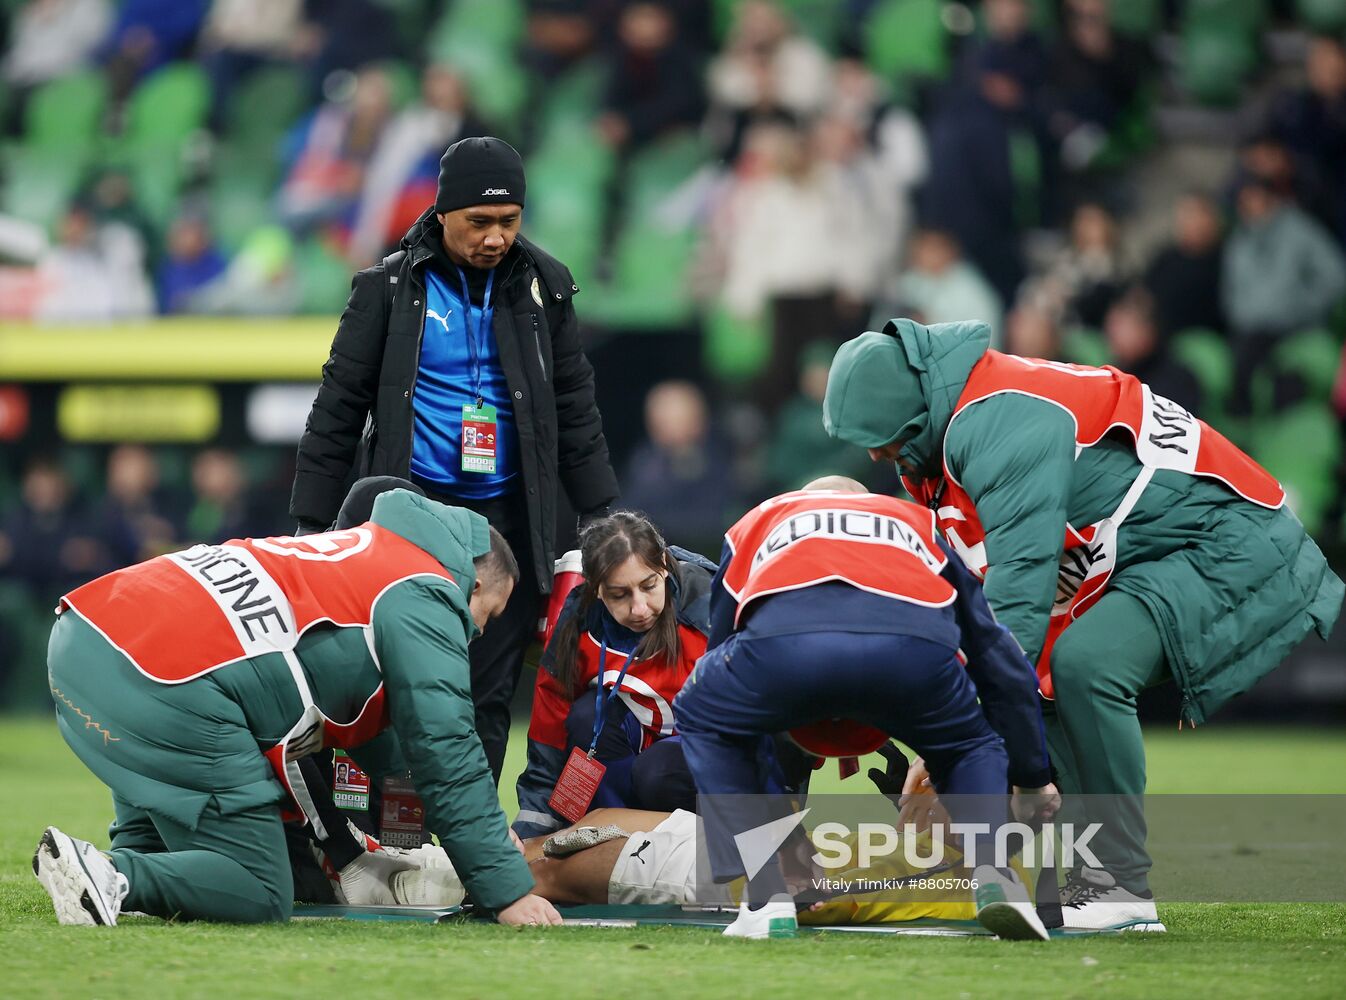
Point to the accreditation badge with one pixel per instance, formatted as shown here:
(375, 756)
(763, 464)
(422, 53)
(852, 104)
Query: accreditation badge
(479, 438)
(402, 819)
(350, 785)
(577, 786)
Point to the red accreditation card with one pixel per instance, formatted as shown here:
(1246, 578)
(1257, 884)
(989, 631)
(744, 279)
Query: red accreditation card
(402, 822)
(576, 787)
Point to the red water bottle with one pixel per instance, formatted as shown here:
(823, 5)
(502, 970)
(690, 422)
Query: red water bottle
(566, 577)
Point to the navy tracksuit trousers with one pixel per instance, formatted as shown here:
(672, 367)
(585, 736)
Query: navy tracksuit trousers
(912, 688)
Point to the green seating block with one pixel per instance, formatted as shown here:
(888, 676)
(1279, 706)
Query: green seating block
(1300, 448)
(736, 348)
(1246, 16)
(39, 182)
(67, 112)
(265, 106)
(324, 278)
(1138, 18)
(907, 38)
(169, 105)
(1085, 347)
(1215, 62)
(1321, 15)
(1206, 355)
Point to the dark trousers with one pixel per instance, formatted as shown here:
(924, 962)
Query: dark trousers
(912, 689)
(496, 656)
(655, 778)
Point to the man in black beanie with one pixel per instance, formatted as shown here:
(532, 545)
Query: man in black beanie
(457, 365)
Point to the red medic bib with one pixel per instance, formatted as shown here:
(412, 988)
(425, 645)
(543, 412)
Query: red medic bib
(875, 543)
(183, 615)
(1099, 400)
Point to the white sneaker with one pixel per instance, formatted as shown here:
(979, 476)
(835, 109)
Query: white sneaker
(84, 886)
(774, 920)
(1003, 906)
(1092, 900)
(438, 886)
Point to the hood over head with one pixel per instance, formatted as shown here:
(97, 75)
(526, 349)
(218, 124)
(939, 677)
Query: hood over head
(902, 384)
(454, 536)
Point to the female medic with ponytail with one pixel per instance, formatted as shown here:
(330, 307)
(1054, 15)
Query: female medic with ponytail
(640, 616)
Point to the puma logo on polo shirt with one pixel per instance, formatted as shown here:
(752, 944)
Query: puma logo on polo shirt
(443, 320)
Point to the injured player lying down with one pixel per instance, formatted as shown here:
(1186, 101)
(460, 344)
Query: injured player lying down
(636, 857)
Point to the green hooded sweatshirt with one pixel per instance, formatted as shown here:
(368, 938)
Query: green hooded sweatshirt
(1232, 586)
(179, 746)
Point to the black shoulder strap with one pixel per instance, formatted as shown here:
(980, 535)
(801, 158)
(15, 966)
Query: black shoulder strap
(391, 265)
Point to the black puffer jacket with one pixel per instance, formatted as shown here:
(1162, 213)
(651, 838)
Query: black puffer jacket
(364, 403)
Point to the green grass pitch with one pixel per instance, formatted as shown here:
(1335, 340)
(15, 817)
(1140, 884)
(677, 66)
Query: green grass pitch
(1210, 950)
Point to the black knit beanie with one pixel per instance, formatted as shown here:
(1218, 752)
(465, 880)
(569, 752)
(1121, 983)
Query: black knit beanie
(359, 504)
(479, 171)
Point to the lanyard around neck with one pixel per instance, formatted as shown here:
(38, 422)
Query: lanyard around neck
(474, 328)
(602, 699)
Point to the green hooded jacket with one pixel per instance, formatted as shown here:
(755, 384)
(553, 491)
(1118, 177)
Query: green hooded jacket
(1232, 586)
(216, 724)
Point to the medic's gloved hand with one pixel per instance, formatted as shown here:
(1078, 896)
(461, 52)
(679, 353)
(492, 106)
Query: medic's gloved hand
(368, 880)
(889, 780)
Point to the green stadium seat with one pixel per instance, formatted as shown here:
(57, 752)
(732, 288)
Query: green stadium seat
(67, 112)
(1081, 346)
(264, 107)
(168, 106)
(1216, 60)
(819, 19)
(324, 278)
(565, 216)
(39, 182)
(1313, 356)
(84, 466)
(260, 463)
(1026, 170)
(156, 175)
(567, 106)
(1321, 15)
(577, 156)
(649, 287)
(654, 172)
(1206, 355)
(1300, 448)
(1246, 16)
(1137, 18)
(1134, 132)
(736, 348)
(496, 79)
(236, 209)
(907, 38)
(471, 23)
(175, 472)
(404, 80)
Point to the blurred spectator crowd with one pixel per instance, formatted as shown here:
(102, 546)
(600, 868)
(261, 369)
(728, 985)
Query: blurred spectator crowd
(66, 521)
(755, 180)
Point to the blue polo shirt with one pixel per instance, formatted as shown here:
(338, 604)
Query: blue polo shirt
(458, 352)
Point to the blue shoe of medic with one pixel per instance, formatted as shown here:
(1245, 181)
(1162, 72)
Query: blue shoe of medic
(772, 920)
(1004, 907)
(84, 886)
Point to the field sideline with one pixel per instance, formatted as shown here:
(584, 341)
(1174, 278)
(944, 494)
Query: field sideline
(1210, 950)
